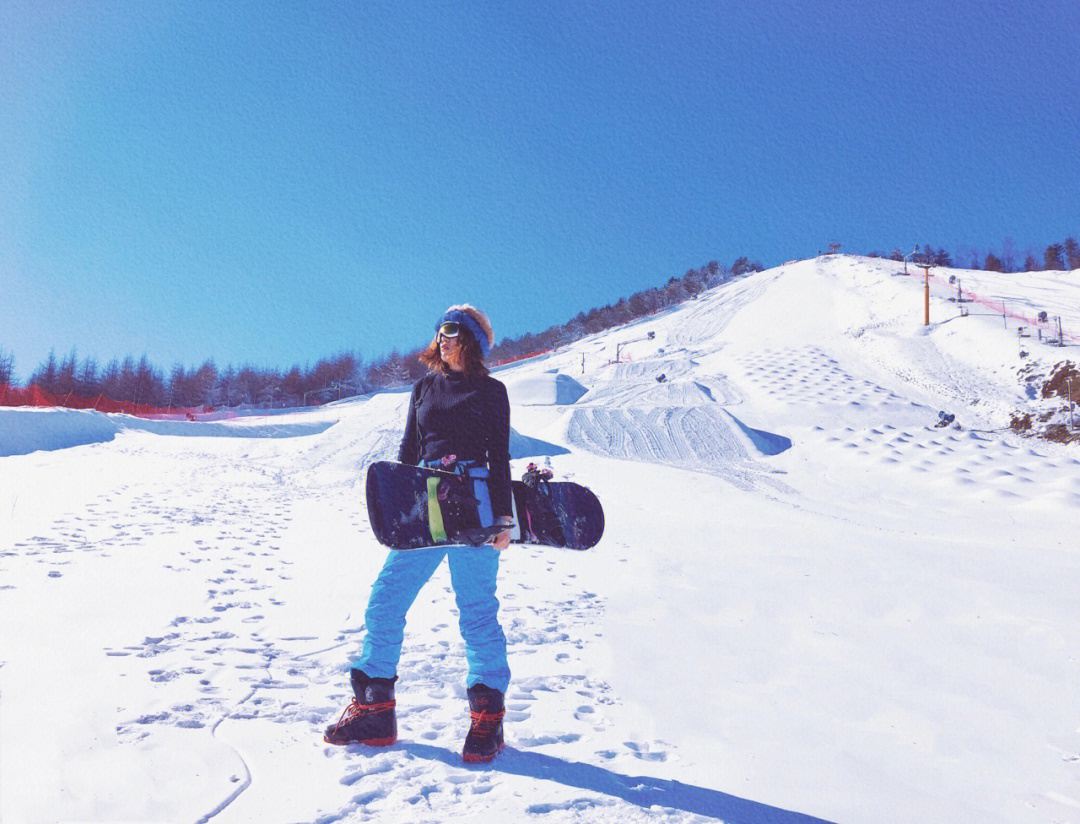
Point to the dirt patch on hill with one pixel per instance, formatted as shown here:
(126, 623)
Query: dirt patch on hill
(1049, 416)
(1057, 385)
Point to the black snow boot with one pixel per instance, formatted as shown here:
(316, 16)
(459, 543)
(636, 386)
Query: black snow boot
(369, 718)
(485, 737)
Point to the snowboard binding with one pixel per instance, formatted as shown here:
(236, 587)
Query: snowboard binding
(537, 478)
(540, 516)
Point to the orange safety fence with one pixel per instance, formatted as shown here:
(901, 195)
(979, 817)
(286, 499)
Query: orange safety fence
(35, 396)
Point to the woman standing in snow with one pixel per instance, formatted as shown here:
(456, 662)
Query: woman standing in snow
(459, 410)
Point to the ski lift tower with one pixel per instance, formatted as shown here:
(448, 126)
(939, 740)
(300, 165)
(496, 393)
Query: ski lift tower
(926, 292)
(910, 254)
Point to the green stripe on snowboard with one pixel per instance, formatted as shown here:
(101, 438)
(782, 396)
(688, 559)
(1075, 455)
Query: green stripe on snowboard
(434, 512)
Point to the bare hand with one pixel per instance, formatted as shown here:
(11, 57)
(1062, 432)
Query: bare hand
(502, 540)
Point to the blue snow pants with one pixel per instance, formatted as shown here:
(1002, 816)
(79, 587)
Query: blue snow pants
(473, 573)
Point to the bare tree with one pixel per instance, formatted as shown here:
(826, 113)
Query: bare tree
(1008, 254)
(7, 367)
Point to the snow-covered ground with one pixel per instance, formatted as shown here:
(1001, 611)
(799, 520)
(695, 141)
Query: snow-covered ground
(809, 602)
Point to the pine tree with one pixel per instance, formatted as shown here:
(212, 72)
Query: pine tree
(993, 263)
(639, 307)
(394, 372)
(86, 380)
(226, 386)
(1054, 257)
(65, 378)
(45, 378)
(941, 258)
(204, 382)
(741, 266)
(149, 388)
(247, 385)
(292, 385)
(176, 395)
(1072, 253)
(110, 380)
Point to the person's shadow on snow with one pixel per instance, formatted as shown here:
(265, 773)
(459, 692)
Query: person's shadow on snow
(643, 791)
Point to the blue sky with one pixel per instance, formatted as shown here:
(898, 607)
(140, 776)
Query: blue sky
(274, 182)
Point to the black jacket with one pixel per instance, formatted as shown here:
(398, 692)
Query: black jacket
(466, 416)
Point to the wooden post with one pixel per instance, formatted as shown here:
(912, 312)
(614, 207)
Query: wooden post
(1069, 382)
(926, 296)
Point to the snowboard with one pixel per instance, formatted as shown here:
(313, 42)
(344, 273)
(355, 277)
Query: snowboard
(412, 507)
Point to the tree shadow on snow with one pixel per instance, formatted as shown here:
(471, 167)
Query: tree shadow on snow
(642, 791)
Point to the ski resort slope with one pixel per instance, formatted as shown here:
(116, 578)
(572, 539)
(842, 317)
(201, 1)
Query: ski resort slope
(810, 603)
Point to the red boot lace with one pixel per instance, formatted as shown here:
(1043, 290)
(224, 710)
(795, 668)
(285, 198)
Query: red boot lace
(358, 710)
(484, 722)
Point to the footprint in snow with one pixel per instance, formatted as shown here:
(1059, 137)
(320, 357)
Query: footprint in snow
(644, 752)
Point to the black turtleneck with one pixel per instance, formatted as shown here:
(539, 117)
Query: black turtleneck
(467, 416)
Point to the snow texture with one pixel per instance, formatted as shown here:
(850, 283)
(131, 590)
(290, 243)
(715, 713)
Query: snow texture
(810, 603)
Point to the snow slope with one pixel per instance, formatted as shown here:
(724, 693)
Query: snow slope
(809, 604)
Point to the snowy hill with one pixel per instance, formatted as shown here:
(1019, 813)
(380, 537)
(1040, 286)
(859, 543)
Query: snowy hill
(810, 602)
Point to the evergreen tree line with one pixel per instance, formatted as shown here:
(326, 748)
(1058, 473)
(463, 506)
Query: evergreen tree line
(1059, 257)
(143, 383)
(341, 376)
(346, 374)
(638, 305)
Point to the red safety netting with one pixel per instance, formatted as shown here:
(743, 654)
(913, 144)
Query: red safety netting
(1051, 327)
(35, 396)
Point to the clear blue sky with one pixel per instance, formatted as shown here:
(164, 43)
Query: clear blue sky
(273, 182)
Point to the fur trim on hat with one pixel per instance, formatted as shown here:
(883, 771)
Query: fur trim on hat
(479, 317)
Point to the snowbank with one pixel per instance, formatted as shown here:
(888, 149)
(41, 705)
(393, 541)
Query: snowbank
(548, 388)
(26, 430)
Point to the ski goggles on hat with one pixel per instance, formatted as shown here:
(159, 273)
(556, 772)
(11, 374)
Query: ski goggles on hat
(450, 329)
(456, 317)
